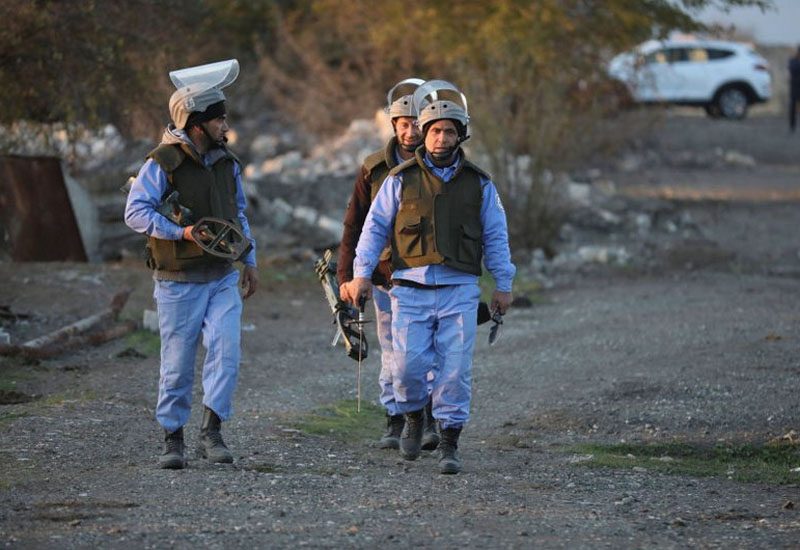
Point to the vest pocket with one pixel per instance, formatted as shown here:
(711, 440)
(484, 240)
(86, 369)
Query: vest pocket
(469, 245)
(149, 257)
(409, 237)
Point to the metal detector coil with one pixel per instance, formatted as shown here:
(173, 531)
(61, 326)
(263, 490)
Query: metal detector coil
(221, 239)
(349, 324)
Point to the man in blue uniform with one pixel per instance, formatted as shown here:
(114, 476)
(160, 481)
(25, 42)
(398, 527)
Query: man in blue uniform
(374, 170)
(444, 218)
(196, 292)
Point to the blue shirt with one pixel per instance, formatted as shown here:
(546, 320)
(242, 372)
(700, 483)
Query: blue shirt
(379, 224)
(149, 188)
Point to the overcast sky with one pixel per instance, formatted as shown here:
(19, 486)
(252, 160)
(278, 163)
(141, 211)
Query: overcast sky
(777, 26)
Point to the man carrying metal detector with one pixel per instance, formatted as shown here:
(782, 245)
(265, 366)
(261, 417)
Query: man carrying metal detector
(444, 219)
(193, 177)
(376, 167)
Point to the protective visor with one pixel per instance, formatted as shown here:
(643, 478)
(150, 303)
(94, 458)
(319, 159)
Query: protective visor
(402, 88)
(217, 75)
(439, 90)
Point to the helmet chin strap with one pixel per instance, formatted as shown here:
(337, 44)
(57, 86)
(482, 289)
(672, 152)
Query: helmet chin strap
(409, 148)
(443, 159)
(444, 156)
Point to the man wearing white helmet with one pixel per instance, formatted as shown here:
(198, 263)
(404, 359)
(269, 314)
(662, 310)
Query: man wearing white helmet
(196, 292)
(444, 218)
(376, 167)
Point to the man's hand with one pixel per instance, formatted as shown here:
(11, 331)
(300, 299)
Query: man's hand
(345, 292)
(359, 288)
(249, 281)
(501, 301)
(187, 235)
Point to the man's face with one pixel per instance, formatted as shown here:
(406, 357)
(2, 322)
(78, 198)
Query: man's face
(217, 128)
(408, 135)
(441, 139)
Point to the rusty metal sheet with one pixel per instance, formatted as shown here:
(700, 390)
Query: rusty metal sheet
(36, 215)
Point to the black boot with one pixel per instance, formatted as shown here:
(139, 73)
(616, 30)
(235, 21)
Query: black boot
(172, 457)
(394, 427)
(430, 436)
(210, 445)
(449, 461)
(411, 440)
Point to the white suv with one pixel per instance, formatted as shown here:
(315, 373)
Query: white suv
(723, 77)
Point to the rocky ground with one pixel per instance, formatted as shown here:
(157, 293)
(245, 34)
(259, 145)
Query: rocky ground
(673, 325)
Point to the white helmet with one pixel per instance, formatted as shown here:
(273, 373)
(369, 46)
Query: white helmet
(199, 87)
(440, 100)
(398, 100)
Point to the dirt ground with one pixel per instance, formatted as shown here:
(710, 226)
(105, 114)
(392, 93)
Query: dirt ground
(698, 346)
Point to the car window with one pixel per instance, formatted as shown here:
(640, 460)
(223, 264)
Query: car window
(698, 55)
(678, 54)
(719, 53)
(658, 56)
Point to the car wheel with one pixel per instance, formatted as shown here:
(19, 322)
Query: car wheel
(712, 110)
(732, 103)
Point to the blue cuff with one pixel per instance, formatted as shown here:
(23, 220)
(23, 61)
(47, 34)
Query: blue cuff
(503, 286)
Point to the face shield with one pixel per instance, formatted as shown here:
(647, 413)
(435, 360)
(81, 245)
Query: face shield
(198, 87)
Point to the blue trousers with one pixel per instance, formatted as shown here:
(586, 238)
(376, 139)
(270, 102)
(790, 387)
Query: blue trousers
(434, 329)
(185, 312)
(383, 321)
(383, 324)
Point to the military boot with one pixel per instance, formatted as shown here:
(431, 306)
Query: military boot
(394, 427)
(411, 440)
(449, 461)
(430, 435)
(172, 457)
(210, 445)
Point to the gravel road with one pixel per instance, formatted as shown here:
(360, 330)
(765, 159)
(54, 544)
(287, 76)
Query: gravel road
(698, 352)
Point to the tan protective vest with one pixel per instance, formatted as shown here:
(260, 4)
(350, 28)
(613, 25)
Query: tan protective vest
(204, 191)
(438, 222)
(378, 165)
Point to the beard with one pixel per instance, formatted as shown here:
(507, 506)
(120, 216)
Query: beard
(213, 143)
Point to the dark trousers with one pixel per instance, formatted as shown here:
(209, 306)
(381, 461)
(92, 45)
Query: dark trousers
(794, 99)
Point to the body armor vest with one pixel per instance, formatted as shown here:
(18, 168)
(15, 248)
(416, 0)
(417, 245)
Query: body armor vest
(205, 191)
(438, 222)
(378, 165)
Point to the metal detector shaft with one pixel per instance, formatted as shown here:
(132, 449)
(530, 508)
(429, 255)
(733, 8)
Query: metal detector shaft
(361, 320)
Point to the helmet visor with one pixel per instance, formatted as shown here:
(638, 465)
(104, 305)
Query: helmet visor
(401, 89)
(213, 75)
(436, 90)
